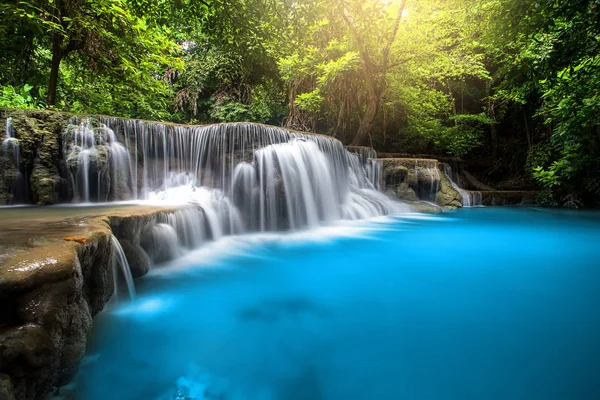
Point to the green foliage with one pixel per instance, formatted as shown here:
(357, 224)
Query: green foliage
(514, 82)
(310, 102)
(549, 59)
(11, 97)
(228, 110)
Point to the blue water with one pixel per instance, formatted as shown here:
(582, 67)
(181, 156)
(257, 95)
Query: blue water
(496, 303)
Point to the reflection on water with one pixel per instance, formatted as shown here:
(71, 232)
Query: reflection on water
(478, 304)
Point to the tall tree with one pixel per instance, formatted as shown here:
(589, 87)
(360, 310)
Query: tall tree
(374, 33)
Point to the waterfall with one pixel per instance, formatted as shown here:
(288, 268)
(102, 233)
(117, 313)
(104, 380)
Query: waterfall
(243, 177)
(120, 264)
(100, 166)
(367, 158)
(11, 148)
(10, 144)
(468, 198)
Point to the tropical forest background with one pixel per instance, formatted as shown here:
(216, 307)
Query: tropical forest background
(511, 86)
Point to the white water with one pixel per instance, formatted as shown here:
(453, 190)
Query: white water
(243, 177)
(229, 179)
(10, 144)
(100, 166)
(121, 266)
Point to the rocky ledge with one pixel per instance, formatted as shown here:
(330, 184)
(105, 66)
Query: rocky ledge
(414, 179)
(51, 288)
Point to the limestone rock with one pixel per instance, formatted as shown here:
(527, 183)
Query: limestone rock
(39, 134)
(51, 292)
(405, 192)
(138, 259)
(448, 196)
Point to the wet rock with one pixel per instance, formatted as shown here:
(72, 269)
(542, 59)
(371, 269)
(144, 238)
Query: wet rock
(448, 196)
(138, 259)
(52, 292)
(506, 197)
(427, 208)
(405, 192)
(421, 175)
(39, 134)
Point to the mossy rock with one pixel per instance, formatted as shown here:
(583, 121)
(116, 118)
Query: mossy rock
(447, 195)
(405, 192)
(40, 140)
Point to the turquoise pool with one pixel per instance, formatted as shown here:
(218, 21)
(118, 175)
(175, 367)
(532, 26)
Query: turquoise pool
(485, 303)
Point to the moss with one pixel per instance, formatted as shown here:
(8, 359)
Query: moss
(40, 138)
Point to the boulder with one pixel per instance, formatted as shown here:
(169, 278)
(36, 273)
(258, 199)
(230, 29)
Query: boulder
(405, 192)
(138, 260)
(448, 196)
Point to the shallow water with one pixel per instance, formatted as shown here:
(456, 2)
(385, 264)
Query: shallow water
(498, 303)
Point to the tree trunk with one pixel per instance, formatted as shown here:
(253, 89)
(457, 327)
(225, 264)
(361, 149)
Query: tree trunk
(527, 130)
(493, 132)
(57, 54)
(367, 122)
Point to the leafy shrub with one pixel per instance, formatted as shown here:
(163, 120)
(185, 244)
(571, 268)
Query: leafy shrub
(17, 97)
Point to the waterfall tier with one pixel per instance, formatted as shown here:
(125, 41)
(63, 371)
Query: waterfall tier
(242, 177)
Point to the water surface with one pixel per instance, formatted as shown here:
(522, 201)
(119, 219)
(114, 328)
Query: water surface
(499, 303)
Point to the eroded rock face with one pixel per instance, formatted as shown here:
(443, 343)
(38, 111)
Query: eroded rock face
(53, 292)
(419, 179)
(508, 197)
(50, 290)
(43, 170)
(6, 389)
(447, 195)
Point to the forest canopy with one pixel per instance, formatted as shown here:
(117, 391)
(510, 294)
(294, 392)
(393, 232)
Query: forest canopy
(512, 85)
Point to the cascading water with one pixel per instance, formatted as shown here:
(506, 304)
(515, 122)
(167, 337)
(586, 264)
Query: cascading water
(426, 179)
(11, 148)
(10, 145)
(244, 177)
(100, 166)
(121, 267)
(232, 178)
(373, 167)
(468, 198)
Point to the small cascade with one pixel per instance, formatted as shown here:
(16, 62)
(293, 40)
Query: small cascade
(11, 148)
(477, 198)
(100, 166)
(293, 181)
(161, 243)
(10, 144)
(469, 198)
(121, 267)
(367, 157)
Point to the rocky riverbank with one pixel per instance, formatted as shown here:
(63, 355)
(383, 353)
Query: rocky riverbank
(51, 288)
